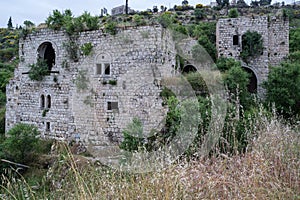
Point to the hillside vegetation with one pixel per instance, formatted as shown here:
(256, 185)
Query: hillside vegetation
(256, 157)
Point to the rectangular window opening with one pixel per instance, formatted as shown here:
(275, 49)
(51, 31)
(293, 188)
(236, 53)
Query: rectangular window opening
(107, 69)
(47, 126)
(235, 40)
(112, 105)
(98, 68)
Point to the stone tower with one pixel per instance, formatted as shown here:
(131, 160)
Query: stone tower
(275, 34)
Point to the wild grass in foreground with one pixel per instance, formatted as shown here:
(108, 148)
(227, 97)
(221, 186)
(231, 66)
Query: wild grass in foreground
(270, 169)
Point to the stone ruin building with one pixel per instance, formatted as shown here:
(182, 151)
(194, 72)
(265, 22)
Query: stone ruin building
(94, 97)
(275, 34)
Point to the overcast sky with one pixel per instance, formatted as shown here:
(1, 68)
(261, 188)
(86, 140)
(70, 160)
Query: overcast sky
(38, 10)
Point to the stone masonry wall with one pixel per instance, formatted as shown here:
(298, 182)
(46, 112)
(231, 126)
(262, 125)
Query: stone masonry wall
(87, 103)
(274, 31)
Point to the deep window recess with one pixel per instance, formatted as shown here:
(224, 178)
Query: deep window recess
(235, 40)
(46, 52)
(42, 101)
(112, 105)
(48, 101)
(103, 68)
(48, 126)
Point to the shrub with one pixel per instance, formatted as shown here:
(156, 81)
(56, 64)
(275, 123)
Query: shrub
(73, 50)
(20, 143)
(252, 45)
(283, 88)
(111, 27)
(39, 70)
(233, 13)
(87, 48)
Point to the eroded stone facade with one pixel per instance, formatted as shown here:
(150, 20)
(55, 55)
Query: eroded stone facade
(275, 34)
(94, 98)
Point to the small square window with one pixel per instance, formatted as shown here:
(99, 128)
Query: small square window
(112, 105)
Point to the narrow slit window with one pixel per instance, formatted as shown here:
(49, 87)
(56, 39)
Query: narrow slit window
(47, 126)
(48, 101)
(235, 40)
(42, 101)
(107, 69)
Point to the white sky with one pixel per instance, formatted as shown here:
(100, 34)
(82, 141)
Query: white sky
(38, 10)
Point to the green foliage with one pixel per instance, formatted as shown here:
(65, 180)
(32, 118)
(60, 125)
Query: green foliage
(112, 82)
(9, 24)
(197, 83)
(199, 13)
(252, 45)
(208, 46)
(283, 88)
(236, 79)
(73, 49)
(39, 70)
(111, 27)
(2, 121)
(82, 81)
(224, 64)
(166, 19)
(233, 13)
(138, 20)
(66, 21)
(87, 48)
(8, 54)
(20, 143)
(294, 39)
(5, 76)
(57, 20)
(133, 136)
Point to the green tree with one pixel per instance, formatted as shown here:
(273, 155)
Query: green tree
(20, 143)
(252, 45)
(294, 40)
(28, 24)
(199, 14)
(233, 13)
(9, 24)
(236, 79)
(283, 88)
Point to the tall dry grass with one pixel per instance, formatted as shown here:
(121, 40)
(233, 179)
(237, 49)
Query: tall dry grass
(270, 169)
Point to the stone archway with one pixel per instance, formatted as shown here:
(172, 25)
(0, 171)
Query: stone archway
(47, 52)
(188, 68)
(253, 83)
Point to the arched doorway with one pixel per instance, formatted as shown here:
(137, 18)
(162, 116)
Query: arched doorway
(188, 69)
(47, 52)
(252, 85)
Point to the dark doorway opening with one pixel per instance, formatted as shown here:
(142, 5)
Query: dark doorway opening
(252, 85)
(189, 68)
(47, 52)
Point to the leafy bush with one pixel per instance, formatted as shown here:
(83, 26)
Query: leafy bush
(283, 88)
(252, 45)
(224, 64)
(73, 50)
(294, 39)
(111, 27)
(20, 143)
(233, 13)
(39, 70)
(87, 48)
(133, 136)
